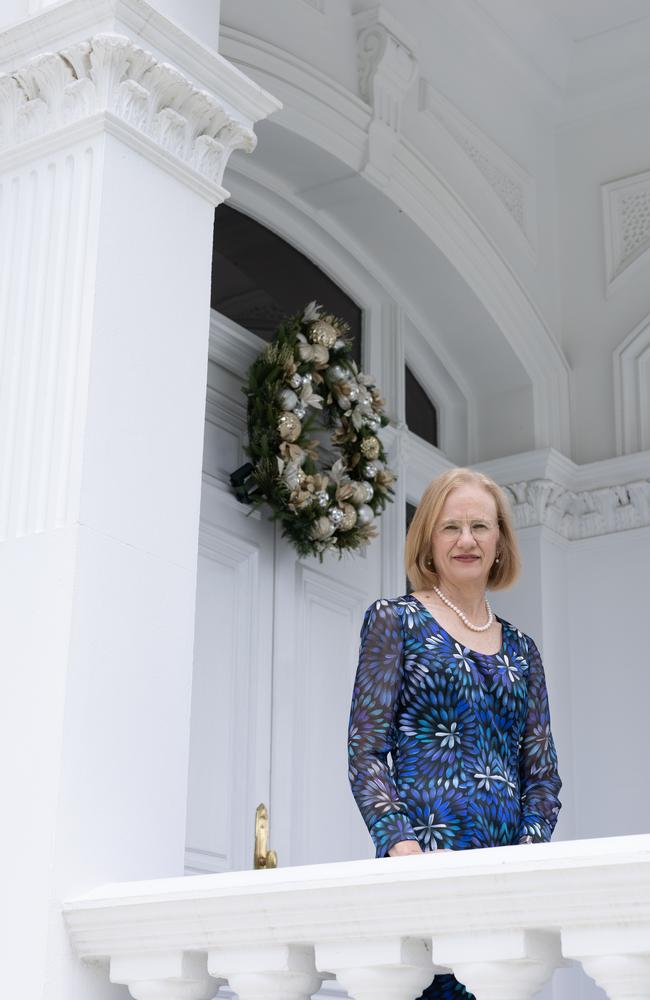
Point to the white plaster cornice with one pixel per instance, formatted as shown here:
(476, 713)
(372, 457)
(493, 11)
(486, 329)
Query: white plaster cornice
(108, 74)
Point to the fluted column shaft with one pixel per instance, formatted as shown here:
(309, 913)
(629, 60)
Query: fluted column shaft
(111, 164)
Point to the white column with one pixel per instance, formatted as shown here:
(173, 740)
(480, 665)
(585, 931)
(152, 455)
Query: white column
(379, 969)
(616, 956)
(510, 964)
(282, 972)
(111, 163)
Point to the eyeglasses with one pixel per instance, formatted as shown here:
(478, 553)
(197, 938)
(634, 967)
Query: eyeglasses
(478, 529)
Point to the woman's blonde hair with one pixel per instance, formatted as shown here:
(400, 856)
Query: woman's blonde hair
(418, 555)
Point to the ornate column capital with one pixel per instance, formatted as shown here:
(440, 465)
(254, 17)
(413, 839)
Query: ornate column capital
(110, 79)
(577, 514)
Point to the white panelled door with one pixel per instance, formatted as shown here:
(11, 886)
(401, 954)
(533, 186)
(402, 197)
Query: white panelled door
(275, 653)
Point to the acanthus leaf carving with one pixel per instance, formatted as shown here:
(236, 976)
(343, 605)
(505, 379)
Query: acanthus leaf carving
(110, 73)
(583, 513)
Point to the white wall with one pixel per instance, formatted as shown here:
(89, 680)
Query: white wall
(609, 592)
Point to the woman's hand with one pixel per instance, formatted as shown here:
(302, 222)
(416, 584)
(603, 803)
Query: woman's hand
(405, 847)
(410, 847)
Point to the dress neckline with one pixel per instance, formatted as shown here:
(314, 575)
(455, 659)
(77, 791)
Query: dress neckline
(475, 652)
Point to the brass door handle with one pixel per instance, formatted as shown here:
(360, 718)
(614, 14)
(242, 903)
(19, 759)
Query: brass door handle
(263, 857)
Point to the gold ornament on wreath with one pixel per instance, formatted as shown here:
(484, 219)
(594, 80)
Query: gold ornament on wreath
(304, 383)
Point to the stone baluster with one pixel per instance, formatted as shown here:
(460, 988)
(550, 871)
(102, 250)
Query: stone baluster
(282, 972)
(616, 957)
(173, 975)
(381, 969)
(500, 965)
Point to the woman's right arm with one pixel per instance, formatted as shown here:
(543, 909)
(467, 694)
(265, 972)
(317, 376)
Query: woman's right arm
(372, 734)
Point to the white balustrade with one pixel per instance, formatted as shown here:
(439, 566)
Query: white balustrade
(172, 975)
(502, 919)
(381, 969)
(617, 956)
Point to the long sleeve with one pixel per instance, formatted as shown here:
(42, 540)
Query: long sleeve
(538, 775)
(372, 728)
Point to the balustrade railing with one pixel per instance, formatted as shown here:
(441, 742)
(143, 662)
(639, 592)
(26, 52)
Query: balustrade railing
(502, 919)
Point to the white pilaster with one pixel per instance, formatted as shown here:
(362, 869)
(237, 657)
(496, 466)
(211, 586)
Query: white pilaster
(111, 163)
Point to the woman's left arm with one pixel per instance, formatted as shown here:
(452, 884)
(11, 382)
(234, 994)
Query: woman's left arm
(538, 774)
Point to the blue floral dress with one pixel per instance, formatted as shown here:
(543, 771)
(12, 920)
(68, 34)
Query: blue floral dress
(472, 759)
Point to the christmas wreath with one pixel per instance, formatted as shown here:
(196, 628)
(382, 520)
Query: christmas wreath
(306, 383)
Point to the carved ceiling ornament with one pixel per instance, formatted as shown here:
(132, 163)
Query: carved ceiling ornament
(109, 73)
(581, 514)
(626, 216)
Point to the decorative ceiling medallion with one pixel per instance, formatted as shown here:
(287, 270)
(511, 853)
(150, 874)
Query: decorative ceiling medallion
(626, 216)
(514, 188)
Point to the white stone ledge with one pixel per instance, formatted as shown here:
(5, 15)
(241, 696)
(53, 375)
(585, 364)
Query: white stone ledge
(559, 888)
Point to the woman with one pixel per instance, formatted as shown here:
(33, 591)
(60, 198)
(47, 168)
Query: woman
(455, 694)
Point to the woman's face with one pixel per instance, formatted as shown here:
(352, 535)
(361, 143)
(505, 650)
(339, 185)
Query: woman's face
(465, 537)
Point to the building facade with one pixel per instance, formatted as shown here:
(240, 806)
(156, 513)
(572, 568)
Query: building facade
(475, 178)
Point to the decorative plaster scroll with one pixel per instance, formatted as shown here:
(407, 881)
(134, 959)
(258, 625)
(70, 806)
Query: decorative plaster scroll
(387, 66)
(632, 390)
(626, 216)
(580, 514)
(110, 73)
(514, 188)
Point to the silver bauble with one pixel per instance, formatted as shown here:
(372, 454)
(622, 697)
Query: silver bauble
(339, 345)
(365, 514)
(287, 399)
(295, 381)
(306, 378)
(368, 491)
(373, 424)
(322, 498)
(370, 470)
(299, 411)
(353, 393)
(335, 515)
(336, 373)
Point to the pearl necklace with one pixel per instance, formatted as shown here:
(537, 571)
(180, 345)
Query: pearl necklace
(463, 617)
